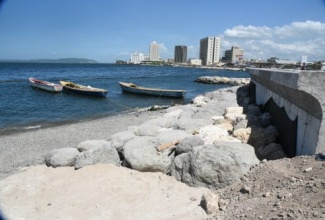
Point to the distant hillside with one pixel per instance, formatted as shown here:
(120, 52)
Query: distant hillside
(62, 60)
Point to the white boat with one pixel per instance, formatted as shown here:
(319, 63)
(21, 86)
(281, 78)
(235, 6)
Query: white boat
(44, 85)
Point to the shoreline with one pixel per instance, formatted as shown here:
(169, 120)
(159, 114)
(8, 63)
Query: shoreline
(34, 126)
(28, 147)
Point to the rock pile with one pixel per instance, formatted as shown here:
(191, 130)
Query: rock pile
(205, 143)
(223, 80)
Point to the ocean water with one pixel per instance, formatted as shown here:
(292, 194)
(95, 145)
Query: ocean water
(23, 107)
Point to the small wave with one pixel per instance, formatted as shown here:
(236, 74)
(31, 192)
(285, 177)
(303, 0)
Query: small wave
(15, 130)
(32, 127)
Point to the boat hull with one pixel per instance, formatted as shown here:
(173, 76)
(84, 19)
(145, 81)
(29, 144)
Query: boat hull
(131, 88)
(43, 85)
(84, 90)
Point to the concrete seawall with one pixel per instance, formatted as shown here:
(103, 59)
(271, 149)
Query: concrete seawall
(302, 94)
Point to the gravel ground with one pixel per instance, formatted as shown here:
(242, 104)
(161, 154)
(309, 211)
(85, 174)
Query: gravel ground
(29, 148)
(279, 189)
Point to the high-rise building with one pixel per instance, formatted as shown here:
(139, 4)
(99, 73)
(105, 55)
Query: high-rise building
(154, 51)
(180, 54)
(210, 50)
(137, 58)
(235, 54)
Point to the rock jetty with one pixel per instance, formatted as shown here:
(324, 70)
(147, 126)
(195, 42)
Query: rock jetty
(223, 80)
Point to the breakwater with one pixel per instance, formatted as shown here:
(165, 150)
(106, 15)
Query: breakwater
(222, 80)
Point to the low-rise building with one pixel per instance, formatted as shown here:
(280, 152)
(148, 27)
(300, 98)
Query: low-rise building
(234, 55)
(195, 62)
(137, 58)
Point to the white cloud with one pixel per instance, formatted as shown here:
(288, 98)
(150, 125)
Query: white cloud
(248, 32)
(285, 42)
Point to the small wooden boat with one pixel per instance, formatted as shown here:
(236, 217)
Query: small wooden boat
(83, 90)
(132, 88)
(47, 86)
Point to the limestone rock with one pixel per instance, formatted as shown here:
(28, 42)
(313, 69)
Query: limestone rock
(188, 143)
(142, 155)
(214, 166)
(218, 120)
(190, 124)
(227, 139)
(199, 101)
(209, 202)
(224, 80)
(225, 126)
(172, 135)
(147, 130)
(211, 133)
(103, 153)
(118, 139)
(234, 110)
(87, 145)
(180, 166)
(167, 121)
(257, 136)
(242, 134)
(234, 118)
(241, 124)
(248, 122)
(61, 157)
(175, 113)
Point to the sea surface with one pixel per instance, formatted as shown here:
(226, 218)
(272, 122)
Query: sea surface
(23, 107)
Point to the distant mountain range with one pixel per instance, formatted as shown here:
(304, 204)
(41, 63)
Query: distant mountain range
(62, 60)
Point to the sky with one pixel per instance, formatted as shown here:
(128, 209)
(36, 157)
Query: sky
(110, 30)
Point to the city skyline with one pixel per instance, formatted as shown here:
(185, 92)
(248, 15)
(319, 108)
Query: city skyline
(106, 31)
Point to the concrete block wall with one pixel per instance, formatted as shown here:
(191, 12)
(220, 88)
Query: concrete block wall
(302, 94)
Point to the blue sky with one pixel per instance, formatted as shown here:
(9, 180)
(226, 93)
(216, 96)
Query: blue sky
(107, 30)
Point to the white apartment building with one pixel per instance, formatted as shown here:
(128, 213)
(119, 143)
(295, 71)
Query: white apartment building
(210, 50)
(137, 58)
(154, 51)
